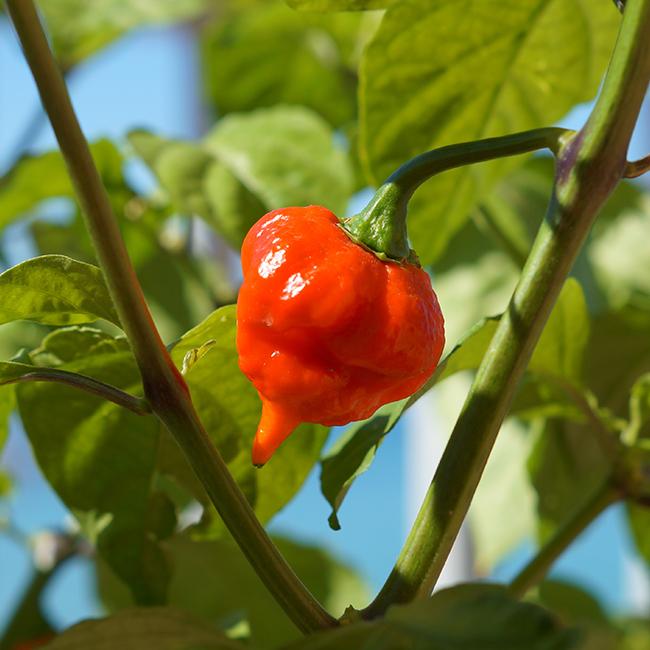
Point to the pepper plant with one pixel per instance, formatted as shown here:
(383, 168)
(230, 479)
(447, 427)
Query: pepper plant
(134, 426)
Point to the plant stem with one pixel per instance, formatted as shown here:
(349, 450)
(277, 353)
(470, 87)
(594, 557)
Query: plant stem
(381, 225)
(637, 168)
(163, 385)
(589, 168)
(87, 384)
(535, 571)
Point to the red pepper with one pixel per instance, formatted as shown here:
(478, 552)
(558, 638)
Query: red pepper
(327, 331)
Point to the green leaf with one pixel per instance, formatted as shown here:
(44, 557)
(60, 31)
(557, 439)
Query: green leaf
(36, 178)
(618, 353)
(78, 29)
(474, 69)
(469, 616)
(355, 450)
(101, 460)
(566, 466)
(55, 290)
(215, 581)
(339, 5)
(230, 409)
(571, 603)
(271, 55)
(199, 184)
(285, 156)
(163, 628)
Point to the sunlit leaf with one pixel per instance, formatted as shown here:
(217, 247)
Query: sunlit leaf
(285, 156)
(55, 290)
(442, 72)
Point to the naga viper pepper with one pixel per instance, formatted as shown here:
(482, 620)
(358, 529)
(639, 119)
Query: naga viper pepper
(327, 331)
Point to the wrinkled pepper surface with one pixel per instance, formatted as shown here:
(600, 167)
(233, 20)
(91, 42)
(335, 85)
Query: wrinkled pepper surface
(326, 330)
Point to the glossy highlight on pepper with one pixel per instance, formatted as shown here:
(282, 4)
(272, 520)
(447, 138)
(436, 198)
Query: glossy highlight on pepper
(326, 331)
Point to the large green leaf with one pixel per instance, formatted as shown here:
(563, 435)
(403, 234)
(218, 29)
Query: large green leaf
(271, 55)
(285, 156)
(230, 409)
(36, 178)
(78, 29)
(55, 290)
(101, 460)
(474, 69)
(163, 628)
(472, 616)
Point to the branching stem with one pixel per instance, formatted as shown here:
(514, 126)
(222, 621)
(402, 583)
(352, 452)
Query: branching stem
(589, 168)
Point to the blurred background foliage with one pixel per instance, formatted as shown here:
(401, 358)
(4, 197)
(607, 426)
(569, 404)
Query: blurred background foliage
(308, 104)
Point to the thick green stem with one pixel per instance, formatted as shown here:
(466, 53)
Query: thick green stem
(381, 225)
(535, 571)
(164, 387)
(589, 168)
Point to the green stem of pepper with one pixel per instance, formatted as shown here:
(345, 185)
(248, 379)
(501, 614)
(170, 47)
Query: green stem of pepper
(589, 168)
(137, 405)
(535, 571)
(164, 386)
(381, 225)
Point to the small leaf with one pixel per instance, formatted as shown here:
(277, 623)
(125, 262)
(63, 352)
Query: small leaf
(55, 290)
(475, 69)
(285, 156)
(163, 628)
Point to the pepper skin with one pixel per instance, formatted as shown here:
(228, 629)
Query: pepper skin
(326, 331)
